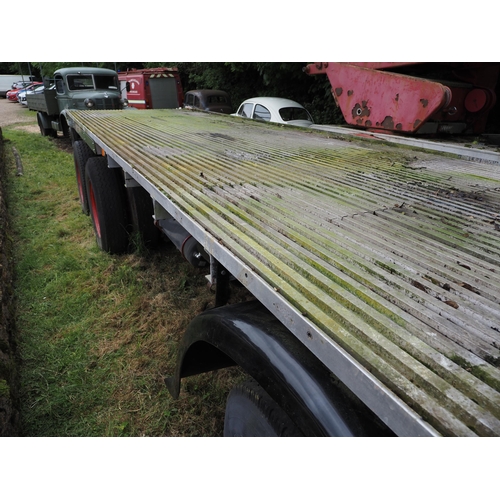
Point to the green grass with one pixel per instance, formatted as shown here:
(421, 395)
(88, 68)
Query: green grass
(97, 333)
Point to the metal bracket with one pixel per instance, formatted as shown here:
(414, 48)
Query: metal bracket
(222, 290)
(130, 182)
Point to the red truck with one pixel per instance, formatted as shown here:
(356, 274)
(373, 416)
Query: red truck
(152, 88)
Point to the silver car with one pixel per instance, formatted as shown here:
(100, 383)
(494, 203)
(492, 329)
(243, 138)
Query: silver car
(21, 97)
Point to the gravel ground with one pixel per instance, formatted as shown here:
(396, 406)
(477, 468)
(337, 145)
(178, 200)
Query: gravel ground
(13, 112)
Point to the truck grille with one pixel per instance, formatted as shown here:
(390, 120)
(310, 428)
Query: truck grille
(109, 103)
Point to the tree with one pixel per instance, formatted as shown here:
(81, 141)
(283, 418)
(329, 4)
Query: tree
(16, 68)
(245, 80)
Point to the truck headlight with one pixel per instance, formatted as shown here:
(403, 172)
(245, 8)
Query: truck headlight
(89, 103)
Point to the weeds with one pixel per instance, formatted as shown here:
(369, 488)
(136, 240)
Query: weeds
(97, 334)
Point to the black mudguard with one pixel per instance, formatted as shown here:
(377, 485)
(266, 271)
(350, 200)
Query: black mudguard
(249, 336)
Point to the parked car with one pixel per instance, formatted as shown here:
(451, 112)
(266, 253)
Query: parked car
(13, 95)
(21, 84)
(208, 100)
(36, 88)
(275, 109)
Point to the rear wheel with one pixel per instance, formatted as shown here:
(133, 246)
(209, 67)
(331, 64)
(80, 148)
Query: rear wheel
(251, 412)
(44, 131)
(73, 135)
(65, 127)
(141, 217)
(81, 154)
(107, 204)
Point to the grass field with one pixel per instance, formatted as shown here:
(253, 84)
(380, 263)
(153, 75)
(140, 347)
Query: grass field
(97, 333)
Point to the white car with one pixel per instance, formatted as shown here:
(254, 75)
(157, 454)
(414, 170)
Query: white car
(275, 109)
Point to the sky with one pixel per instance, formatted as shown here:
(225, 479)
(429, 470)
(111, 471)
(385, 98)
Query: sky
(261, 31)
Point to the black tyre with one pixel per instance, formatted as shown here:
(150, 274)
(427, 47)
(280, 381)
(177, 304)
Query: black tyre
(107, 204)
(251, 412)
(81, 154)
(73, 135)
(141, 217)
(44, 131)
(65, 128)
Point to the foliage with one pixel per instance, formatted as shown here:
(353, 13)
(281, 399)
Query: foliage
(245, 80)
(47, 68)
(13, 68)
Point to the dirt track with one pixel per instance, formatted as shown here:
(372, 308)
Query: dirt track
(13, 112)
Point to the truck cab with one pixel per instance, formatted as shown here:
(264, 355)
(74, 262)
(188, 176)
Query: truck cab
(74, 88)
(83, 88)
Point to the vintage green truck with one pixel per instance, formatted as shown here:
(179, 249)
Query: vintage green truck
(373, 265)
(74, 88)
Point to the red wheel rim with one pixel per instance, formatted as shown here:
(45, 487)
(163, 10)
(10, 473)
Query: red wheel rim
(93, 209)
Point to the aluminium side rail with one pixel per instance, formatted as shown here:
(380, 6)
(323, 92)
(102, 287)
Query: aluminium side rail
(382, 260)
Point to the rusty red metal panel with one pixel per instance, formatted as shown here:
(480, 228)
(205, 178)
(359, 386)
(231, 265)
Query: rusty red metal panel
(382, 100)
(382, 65)
(445, 97)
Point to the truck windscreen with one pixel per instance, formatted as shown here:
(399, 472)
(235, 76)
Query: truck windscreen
(86, 82)
(106, 82)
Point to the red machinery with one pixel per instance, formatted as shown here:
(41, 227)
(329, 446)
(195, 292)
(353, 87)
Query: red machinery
(413, 97)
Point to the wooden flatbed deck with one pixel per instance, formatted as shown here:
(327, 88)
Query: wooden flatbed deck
(383, 260)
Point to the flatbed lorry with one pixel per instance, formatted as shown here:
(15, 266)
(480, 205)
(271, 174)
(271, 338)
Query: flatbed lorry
(373, 266)
(73, 88)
